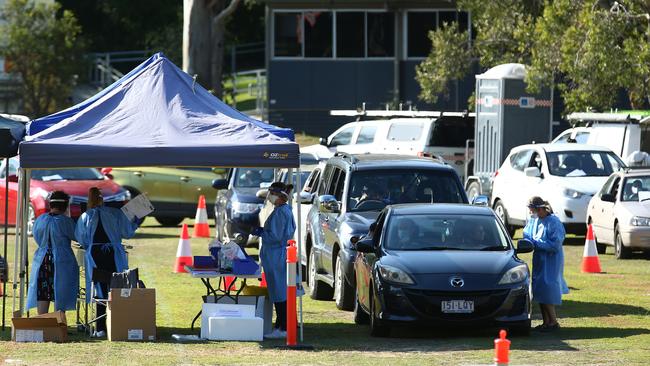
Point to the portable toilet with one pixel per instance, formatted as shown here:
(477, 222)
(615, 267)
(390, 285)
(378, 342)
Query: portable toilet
(506, 116)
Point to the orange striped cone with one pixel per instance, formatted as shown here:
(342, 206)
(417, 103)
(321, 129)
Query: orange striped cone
(590, 261)
(263, 281)
(201, 226)
(184, 252)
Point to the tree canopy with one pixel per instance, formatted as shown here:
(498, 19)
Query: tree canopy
(589, 51)
(40, 42)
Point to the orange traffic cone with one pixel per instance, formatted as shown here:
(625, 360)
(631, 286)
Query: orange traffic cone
(201, 226)
(184, 252)
(263, 281)
(590, 261)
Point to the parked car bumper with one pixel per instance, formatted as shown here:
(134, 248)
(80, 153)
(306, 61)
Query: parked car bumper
(636, 237)
(572, 213)
(423, 307)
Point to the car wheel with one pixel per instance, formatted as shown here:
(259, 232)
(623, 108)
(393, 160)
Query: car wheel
(30, 220)
(318, 290)
(601, 248)
(473, 190)
(360, 316)
(343, 293)
(376, 328)
(620, 250)
(169, 221)
(502, 213)
(522, 329)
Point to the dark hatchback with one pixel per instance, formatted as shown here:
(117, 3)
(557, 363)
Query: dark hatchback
(441, 265)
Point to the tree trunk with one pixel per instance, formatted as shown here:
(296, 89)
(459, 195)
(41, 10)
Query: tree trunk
(197, 42)
(216, 58)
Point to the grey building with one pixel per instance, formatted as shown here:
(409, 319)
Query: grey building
(338, 54)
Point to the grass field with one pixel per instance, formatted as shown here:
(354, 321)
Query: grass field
(604, 322)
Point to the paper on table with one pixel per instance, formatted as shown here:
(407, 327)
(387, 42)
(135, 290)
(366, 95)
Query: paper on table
(138, 207)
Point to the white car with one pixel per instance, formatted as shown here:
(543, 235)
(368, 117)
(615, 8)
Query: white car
(565, 175)
(620, 213)
(442, 137)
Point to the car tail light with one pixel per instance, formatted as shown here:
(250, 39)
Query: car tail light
(496, 173)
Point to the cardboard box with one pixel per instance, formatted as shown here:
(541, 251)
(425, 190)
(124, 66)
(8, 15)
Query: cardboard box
(131, 314)
(263, 309)
(50, 327)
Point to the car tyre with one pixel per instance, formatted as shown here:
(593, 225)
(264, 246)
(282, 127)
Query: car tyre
(169, 221)
(376, 328)
(620, 250)
(601, 248)
(318, 290)
(360, 316)
(502, 213)
(473, 190)
(344, 294)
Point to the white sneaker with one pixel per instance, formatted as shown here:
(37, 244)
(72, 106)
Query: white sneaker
(100, 334)
(276, 334)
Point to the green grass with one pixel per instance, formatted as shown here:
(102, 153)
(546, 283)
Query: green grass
(604, 321)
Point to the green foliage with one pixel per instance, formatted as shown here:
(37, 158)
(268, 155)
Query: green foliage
(587, 50)
(42, 46)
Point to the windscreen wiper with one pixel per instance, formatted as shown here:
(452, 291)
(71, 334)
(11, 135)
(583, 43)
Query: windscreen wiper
(439, 248)
(495, 248)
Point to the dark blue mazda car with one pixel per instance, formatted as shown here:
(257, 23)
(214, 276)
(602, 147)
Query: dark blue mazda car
(443, 265)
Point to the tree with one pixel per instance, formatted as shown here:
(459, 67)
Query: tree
(588, 50)
(204, 28)
(40, 41)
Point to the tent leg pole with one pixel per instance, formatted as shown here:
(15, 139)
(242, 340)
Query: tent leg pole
(24, 236)
(299, 236)
(4, 255)
(17, 250)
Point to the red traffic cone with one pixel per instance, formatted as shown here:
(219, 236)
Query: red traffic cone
(201, 226)
(184, 252)
(590, 261)
(263, 281)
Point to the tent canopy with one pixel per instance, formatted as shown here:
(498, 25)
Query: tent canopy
(11, 133)
(156, 116)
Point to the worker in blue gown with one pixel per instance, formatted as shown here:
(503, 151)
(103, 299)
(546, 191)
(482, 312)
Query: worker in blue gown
(547, 233)
(55, 272)
(278, 229)
(100, 231)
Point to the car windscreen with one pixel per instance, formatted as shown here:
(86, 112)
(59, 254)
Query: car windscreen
(636, 188)
(452, 131)
(67, 174)
(583, 163)
(445, 232)
(372, 190)
(252, 177)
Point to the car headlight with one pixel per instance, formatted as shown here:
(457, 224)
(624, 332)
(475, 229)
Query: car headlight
(123, 196)
(572, 193)
(514, 275)
(640, 221)
(395, 275)
(242, 207)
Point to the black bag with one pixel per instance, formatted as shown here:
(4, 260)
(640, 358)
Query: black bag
(126, 279)
(4, 276)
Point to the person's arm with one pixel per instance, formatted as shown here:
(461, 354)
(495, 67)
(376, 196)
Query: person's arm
(554, 237)
(70, 230)
(275, 227)
(81, 231)
(127, 228)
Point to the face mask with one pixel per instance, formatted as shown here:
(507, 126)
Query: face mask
(273, 198)
(533, 216)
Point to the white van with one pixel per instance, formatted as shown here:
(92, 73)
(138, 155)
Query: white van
(622, 133)
(445, 137)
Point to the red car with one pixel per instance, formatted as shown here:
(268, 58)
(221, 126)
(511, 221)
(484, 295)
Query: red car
(75, 182)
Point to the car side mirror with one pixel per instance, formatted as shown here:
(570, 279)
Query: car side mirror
(328, 204)
(323, 141)
(220, 184)
(13, 178)
(533, 171)
(606, 197)
(364, 245)
(524, 246)
(305, 197)
(262, 193)
(481, 201)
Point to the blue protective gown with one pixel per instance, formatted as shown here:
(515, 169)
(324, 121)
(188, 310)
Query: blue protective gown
(56, 231)
(117, 227)
(548, 282)
(278, 229)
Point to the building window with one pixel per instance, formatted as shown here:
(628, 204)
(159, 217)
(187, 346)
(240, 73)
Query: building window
(380, 30)
(287, 35)
(420, 23)
(318, 33)
(350, 36)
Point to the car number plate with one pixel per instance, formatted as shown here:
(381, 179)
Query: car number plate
(457, 306)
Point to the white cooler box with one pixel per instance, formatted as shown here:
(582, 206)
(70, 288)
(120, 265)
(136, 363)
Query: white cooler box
(263, 309)
(231, 322)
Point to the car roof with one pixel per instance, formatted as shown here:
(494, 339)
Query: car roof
(361, 161)
(440, 208)
(563, 147)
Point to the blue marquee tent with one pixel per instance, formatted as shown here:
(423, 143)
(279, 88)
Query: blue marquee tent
(155, 116)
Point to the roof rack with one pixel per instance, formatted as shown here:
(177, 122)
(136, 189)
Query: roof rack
(590, 117)
(627, 169)
(347, 156)
(401, 112)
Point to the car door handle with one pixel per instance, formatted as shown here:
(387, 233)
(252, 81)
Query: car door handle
(138, 173)
(186, 179)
